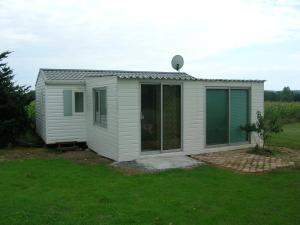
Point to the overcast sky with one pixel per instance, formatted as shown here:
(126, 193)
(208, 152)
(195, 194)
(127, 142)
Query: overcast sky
(239, 39)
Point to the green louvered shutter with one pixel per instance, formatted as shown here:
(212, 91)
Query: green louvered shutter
(67, 102)
(217, 116)
(238, 115)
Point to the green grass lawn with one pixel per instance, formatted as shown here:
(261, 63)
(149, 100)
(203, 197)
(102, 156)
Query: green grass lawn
(58, 191)
(289, 138)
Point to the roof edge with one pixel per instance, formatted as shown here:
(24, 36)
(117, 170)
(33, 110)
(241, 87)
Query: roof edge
(231, 80)
(124, 71)
(41, 73)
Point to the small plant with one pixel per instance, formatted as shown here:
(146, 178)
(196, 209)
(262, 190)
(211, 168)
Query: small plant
(264, 127)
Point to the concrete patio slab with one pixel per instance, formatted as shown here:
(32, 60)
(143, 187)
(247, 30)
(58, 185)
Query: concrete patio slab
(157, 163)
(167, 162)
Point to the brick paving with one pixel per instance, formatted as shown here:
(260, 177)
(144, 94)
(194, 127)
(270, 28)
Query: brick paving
(243, 161)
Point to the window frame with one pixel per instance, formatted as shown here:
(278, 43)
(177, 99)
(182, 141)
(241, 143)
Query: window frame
(74, 102)
(96, 91)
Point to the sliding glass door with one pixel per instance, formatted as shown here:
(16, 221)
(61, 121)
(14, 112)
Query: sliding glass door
(217, 116)
(227, 110)
(239, 108)
(160, 117)
(151, 117)
(171, 117)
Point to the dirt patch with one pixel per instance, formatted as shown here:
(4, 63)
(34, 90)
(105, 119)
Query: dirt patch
(82, 156)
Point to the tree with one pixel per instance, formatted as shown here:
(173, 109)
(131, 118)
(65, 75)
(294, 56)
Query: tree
(13, 118)
(287, 95)
(265, 127)
(297, 96)
(272, 96)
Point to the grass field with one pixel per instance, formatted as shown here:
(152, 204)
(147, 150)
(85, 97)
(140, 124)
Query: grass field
(58, 191)
(290, 137)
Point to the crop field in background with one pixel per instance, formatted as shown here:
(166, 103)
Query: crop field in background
(288, 111)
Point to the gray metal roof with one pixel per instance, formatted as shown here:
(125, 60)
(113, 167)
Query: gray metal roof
(76, 74)
(80, 75)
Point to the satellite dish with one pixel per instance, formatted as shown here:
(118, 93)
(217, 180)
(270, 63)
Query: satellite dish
(177, 62)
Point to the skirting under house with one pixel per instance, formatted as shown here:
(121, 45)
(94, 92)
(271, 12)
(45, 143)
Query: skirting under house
(125, 115)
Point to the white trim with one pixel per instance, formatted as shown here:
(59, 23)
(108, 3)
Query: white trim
(65, 82)
(46, 113)
(117, 122)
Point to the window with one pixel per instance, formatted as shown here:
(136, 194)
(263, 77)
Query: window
(226, 111)
(67, 99)
(100, 107)
(78, 102)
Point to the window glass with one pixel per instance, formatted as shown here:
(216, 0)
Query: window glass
(79, 102)
(226, 112)
(238, 115)
(216, 116)
(100, 107)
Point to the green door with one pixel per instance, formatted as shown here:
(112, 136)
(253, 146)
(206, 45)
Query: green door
(238, 115)
(217, 116)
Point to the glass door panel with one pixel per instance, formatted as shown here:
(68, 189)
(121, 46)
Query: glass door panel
(171, 117)
(150, 117)
(217, 121)
(238, 115)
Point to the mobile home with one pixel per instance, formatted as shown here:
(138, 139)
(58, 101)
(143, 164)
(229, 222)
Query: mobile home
(125, 115)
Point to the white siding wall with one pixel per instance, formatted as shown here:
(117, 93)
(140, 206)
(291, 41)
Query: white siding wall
(193, 116)
(62, 128)
(104, 141)
(40, 107)
(129, 119)
(256, 104)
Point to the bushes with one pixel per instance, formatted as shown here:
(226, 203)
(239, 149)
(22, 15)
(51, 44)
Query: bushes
(286, 95)
(29, 138)
(13, 98)
(288, 112)
(30, 110)
(17, 110)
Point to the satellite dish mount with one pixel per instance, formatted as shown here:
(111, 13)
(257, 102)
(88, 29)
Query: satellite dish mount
(177, 62)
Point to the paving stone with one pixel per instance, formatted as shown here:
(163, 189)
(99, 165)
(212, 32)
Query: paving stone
(243, 161)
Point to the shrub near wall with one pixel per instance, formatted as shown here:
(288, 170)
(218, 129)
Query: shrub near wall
(289, 112)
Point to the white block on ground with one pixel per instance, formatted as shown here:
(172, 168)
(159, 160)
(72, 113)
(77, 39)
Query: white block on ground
(167, 162)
